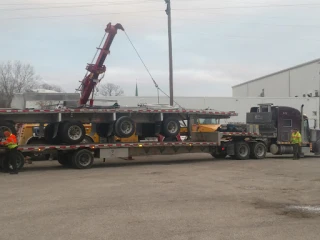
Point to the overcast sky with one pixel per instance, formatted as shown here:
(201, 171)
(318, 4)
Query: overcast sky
(216, 44)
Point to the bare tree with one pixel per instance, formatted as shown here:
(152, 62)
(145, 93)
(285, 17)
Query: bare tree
(110, 89)
(16, 77)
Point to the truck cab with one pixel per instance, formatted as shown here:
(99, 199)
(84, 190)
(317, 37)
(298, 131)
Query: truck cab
(276, 124)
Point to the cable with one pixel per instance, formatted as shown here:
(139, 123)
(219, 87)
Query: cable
(73, 6)
(254, 23)
(155, 83)
(80, 15)
(261, 6)
(55, 3)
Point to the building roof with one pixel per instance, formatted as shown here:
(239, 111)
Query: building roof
(284, 70)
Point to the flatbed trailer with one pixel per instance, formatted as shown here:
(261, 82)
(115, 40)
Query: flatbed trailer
(65, 126)
(82, 156)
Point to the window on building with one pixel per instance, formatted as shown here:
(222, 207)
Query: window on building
(287, 123)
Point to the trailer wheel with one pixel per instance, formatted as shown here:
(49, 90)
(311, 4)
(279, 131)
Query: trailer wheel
(102, 129)
(48, 134)
(242, 150)
(82, 159)
(64, 159)
(258, 150)
(72, 132)
(87, 140)
(124, 127)
(7, 126)
(171, 127)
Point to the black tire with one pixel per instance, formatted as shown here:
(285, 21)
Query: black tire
(19, 160)
(87, 140)
(170, 127)
(102, 129)
(64, 159)
(258, 150)
(82, 159)
(242, 151)
(7, 126)
(72, 132)
(124, 127)
(48, 134)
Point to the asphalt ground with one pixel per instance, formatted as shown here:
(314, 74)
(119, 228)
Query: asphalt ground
(190, 196)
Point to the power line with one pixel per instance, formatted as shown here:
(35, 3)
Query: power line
(92, 4)
(257, 6)
(73, 6)
(64, 3)
(80, 15)
(254, 23)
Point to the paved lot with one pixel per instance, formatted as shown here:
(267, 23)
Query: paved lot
(164, 198)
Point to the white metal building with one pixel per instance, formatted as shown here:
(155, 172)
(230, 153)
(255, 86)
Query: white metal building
(298, 81)
(239, 105)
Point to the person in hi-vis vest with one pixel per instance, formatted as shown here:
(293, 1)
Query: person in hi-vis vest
(296, 141)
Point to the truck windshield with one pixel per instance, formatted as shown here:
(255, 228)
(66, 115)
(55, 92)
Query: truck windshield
(208, 121)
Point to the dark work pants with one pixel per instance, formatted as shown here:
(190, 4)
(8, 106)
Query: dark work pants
(10, 158)
(296, 151)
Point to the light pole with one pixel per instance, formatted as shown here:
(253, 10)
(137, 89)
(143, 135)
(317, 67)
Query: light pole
(168, 11)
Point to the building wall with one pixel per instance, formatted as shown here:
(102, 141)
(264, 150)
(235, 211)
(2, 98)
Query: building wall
(290, 83)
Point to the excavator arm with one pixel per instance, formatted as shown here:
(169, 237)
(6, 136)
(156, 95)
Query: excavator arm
(90, 81)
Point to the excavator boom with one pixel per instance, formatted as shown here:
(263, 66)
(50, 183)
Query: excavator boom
(90, 81)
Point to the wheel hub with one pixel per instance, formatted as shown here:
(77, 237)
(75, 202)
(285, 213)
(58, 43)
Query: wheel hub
(74, 132)
(84, 160)
(172, 127)
(243, 151)
(126, 127)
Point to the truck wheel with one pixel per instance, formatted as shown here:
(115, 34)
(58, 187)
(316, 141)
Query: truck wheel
(19, 160)
(102, 129)
(64, 159)
(242, 150)
(82, 159)
(258, 150)
(72, 132)
(7, 126)
(124, 127)
(170, 127)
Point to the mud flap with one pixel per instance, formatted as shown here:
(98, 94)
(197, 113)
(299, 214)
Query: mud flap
(230, 149)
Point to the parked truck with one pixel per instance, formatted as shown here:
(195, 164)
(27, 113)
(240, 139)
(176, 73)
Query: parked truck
(274, 125)
(267, 129)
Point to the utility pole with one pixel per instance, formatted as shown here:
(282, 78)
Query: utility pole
(168, 11)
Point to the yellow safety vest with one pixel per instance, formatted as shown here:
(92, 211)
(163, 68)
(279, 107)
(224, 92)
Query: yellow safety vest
(296, 138)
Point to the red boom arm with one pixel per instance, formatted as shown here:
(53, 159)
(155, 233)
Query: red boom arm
(90, 81)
